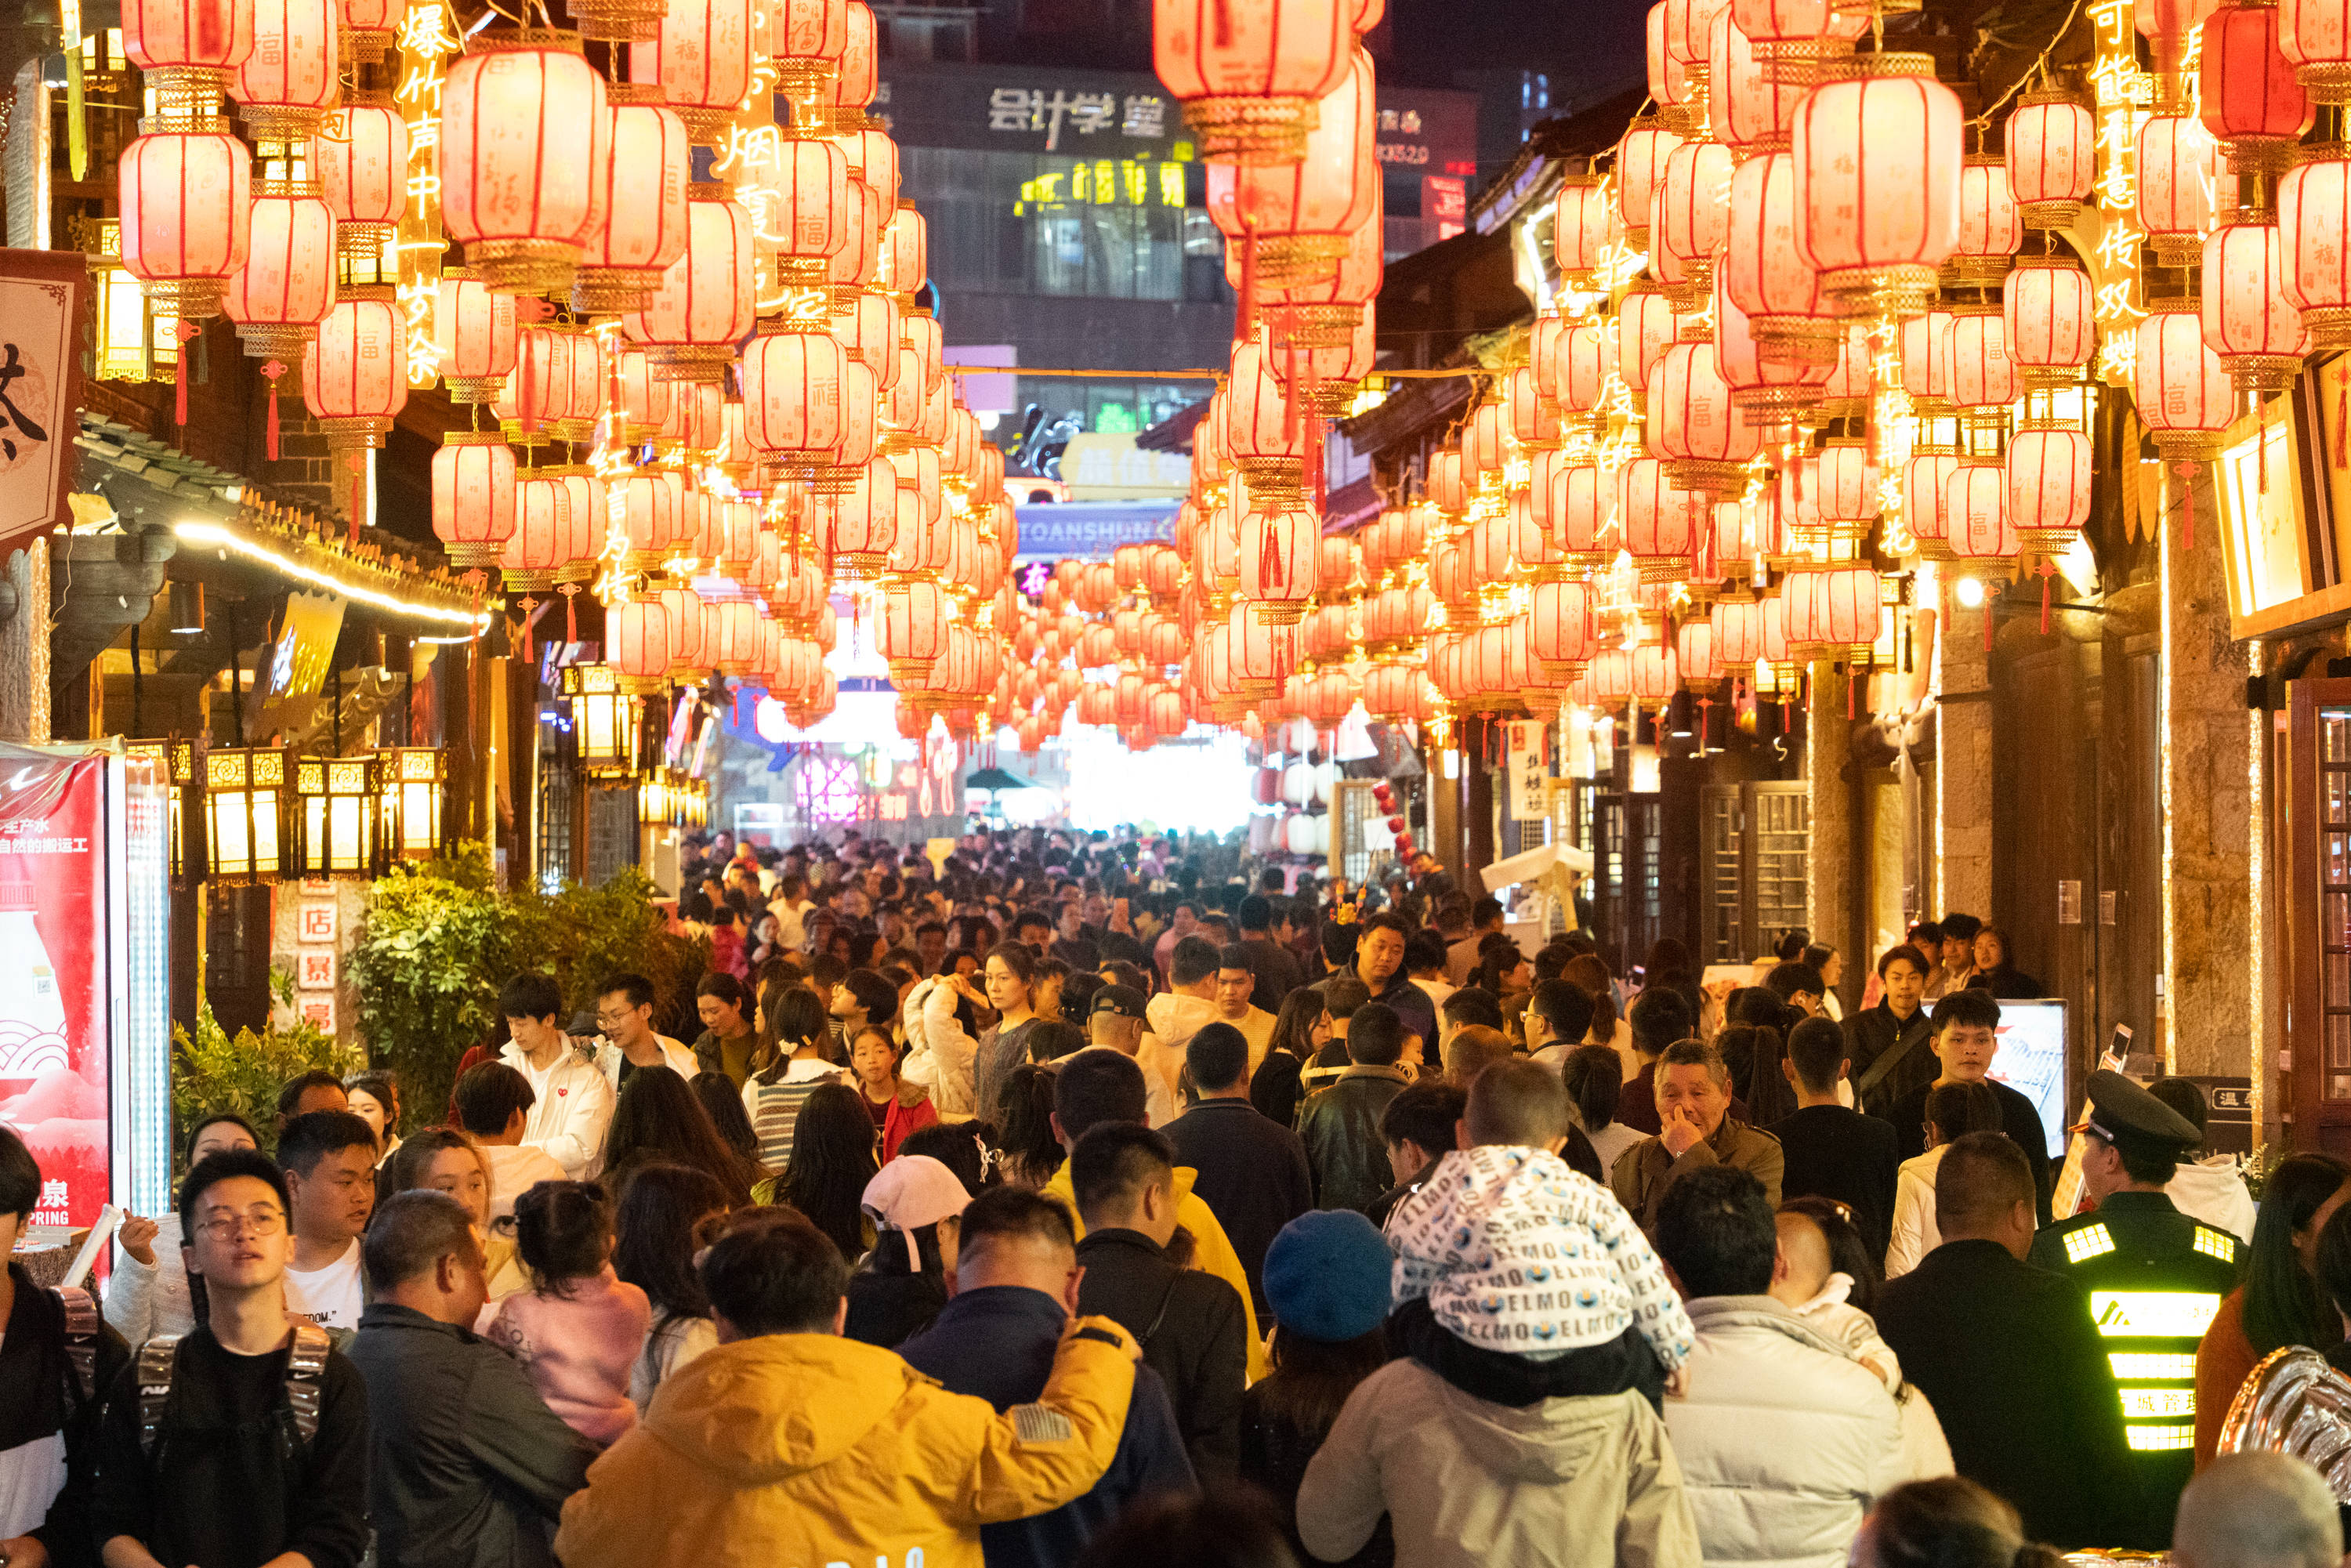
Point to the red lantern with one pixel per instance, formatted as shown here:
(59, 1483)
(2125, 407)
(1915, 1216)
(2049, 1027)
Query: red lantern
(808, 187)
(1583, 225)
(2053, 157)
(474, 331)
(2249, 320)
(2314, 211)
(1878, 151)
(186, 199)
(2314, 35)
(2179, 165)
(1692, 220)
(1738, 626)
(1750, 103)
(2251, 103)
(701, 60)
(1640, 168)
(2049, 470)
(639, 194)
(1693, 425)
(1767, 276)
(1983, 376)
(293, 76)
(1644, 328)
(1924, 480)
(861, 523)
(914, 630)
(2182, 389)
(1990, 228)
(539, 544)
(287, 282)
(2048, 315)
(1975, 509)
(184, 45)
(519, 213)
(355, 378)
(1250, 77)
(706, 303)
(474, 497)
(1660, 520)
(1831, 614)
(362, 173)
(637, 638)
(1770, 389)
(1301, 215)
(1927, 359)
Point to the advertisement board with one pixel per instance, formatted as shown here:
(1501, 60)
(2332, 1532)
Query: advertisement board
(2031, 1060)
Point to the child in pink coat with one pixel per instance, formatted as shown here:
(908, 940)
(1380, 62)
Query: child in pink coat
(578, 1330)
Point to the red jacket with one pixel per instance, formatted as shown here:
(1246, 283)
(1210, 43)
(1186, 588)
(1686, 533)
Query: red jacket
(911, 1112)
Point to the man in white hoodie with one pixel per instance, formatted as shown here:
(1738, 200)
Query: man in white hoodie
(1175, 1015)
(1785, 1439)
(572, 1103)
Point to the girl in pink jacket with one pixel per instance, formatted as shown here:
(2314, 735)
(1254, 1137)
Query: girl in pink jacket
(578, 1330)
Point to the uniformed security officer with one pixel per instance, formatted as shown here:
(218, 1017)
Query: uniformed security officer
(2155, 1277)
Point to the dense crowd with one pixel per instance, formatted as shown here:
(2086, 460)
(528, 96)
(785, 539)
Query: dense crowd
(1092, 1201)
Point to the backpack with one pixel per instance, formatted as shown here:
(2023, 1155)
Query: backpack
(306, 1372)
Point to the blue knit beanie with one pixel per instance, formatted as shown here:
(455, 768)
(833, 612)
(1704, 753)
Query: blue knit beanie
(1326, 1275)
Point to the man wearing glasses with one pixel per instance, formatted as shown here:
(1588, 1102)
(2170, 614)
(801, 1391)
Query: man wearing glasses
(246, 1440)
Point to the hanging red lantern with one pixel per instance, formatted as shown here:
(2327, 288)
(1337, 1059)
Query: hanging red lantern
(1983, 376)
(1831, 613)
(2053, 157)
(1769, 391)
(2049, 320)
(1299, 216)
(1926, 355)
(287, 282)
(1582, 226)
(2251, 102)
(1749, 101)
(362, 173)
(187, 48)
(293, 78)
(538, 546)
(809, 186)
(2049, 468)
(474, 497)
(1645, 328)
(1660, 520)
(702, 61)
(1252, 78)
(1693, 425)
(1279, 561)
(1975, 510)
(475, 332)
(636, 636)
(2178, 164)
(519, 213)
(861, 524)
(186, 199)
(1878, 151)
(706, 303)
(1641, 157)
(2314, 36)
(2249, 320)
(1772, 283)
(2313, 218)
(1990, 228)
(355, 378)
(1692, 219)
(2182, 389)
(1738, 626)
(1924, 480)
(640, 198)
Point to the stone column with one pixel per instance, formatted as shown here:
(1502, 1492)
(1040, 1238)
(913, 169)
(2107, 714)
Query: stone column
(25, 645)
(2205, 748)
(1832, 865)
(1963, 801)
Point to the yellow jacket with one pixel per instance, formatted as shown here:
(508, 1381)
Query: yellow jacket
(1212, 1251)
(796, 1450)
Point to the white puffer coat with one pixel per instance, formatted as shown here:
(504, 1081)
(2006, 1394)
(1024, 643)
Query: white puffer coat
(938, 1052)
(1784, 1439)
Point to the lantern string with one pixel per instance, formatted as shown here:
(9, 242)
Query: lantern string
(2187, 472)
(2048, 571)
(358, 499)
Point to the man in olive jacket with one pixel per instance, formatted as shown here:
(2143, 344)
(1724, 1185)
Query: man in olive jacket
(1339, 1124)
(1694, 1107)
(467, 1468)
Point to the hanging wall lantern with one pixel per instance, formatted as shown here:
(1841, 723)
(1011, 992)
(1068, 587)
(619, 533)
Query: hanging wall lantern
(1877, 151)
(338, 817)
(519, 213)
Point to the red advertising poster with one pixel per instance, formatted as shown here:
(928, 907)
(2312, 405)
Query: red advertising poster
(53, 1006)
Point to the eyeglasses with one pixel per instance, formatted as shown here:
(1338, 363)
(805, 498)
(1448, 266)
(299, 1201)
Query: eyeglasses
(228, 1226)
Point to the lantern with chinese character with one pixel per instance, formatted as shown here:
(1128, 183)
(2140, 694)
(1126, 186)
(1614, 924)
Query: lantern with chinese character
(2251, 102)
(701, 59)
(1767, 276)
(808, 39)
(810, 184)
(185, 188)
(706, 303)
(1641, 157)
(1250, 76)
(792, 396)
(2182, 389)
(1301, 216)
(2314, 35)
(2048, 471)
(1692, 424)
(1582, 226)
(1877, 178)
(474, 497)
(638, 636)
(355, 378)
(293, 76)
(362, 173)
(287, 282)
(1691, 218)
(1768, 390)
(188, 49)
(1990, 228)
(640, 205)
(1983, 376)
(476, 334)
(861, 523)
(1660, 520)
(1279, 561)
(1644, 328)
(519, 213)
(1748, 102)
(2313, 216)
(540, 545)
(1975, 511)
(2052, 157)
(2047, 312)
(2178, 164)
(2249, 320)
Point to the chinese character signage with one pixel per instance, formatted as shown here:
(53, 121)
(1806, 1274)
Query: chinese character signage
(1529, 770)
(53, 996)
(1077, 114)
(41, 300)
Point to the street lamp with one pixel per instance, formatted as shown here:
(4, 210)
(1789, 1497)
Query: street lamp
(246, 813)
(340, 813)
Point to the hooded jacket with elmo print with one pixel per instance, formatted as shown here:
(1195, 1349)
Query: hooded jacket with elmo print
(796, 1450)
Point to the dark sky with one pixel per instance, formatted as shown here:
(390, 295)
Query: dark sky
(1590, 46)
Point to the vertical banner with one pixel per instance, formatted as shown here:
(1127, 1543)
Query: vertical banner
(54, 1008)
(1529, 770)
(42, 298)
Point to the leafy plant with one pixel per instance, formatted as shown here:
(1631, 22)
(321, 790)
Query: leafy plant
(440, 941)
(213, 1072)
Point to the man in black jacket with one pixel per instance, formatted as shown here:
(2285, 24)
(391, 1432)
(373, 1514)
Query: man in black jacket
(468, 1468)
(1190, 1323)
(1340, 1126)
(1832, 1151)
(1965, 1037)
(1276, 971)
(1249, 1170)
(1887, 1042)
(2010, 1356)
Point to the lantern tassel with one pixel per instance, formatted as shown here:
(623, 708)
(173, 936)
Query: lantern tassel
(570, 592)
(358, 494)
(528, 653)
(1852, 679)
(1292, 392)
(2047, 571)
(1704, 706)
(2342, 414)
(273, 422)
(1269, 557)
(2187, 472)
(187, 332)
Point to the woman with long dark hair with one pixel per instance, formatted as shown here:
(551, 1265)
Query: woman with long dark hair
(1996, 969)
(1301, 1029)
(832, 1159)
(658, 1118)
(793, 1034)
(666, 1215)
(1026, 1150)
(723, 1101)
(1011, 980)
(2279, 1303)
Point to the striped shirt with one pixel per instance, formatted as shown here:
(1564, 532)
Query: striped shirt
(775, 1107)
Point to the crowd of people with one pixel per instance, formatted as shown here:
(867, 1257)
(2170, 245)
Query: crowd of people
(1079, 1202)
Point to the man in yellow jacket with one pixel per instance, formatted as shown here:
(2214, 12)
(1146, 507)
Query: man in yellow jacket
(789, 1445)
(1083, 1099)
